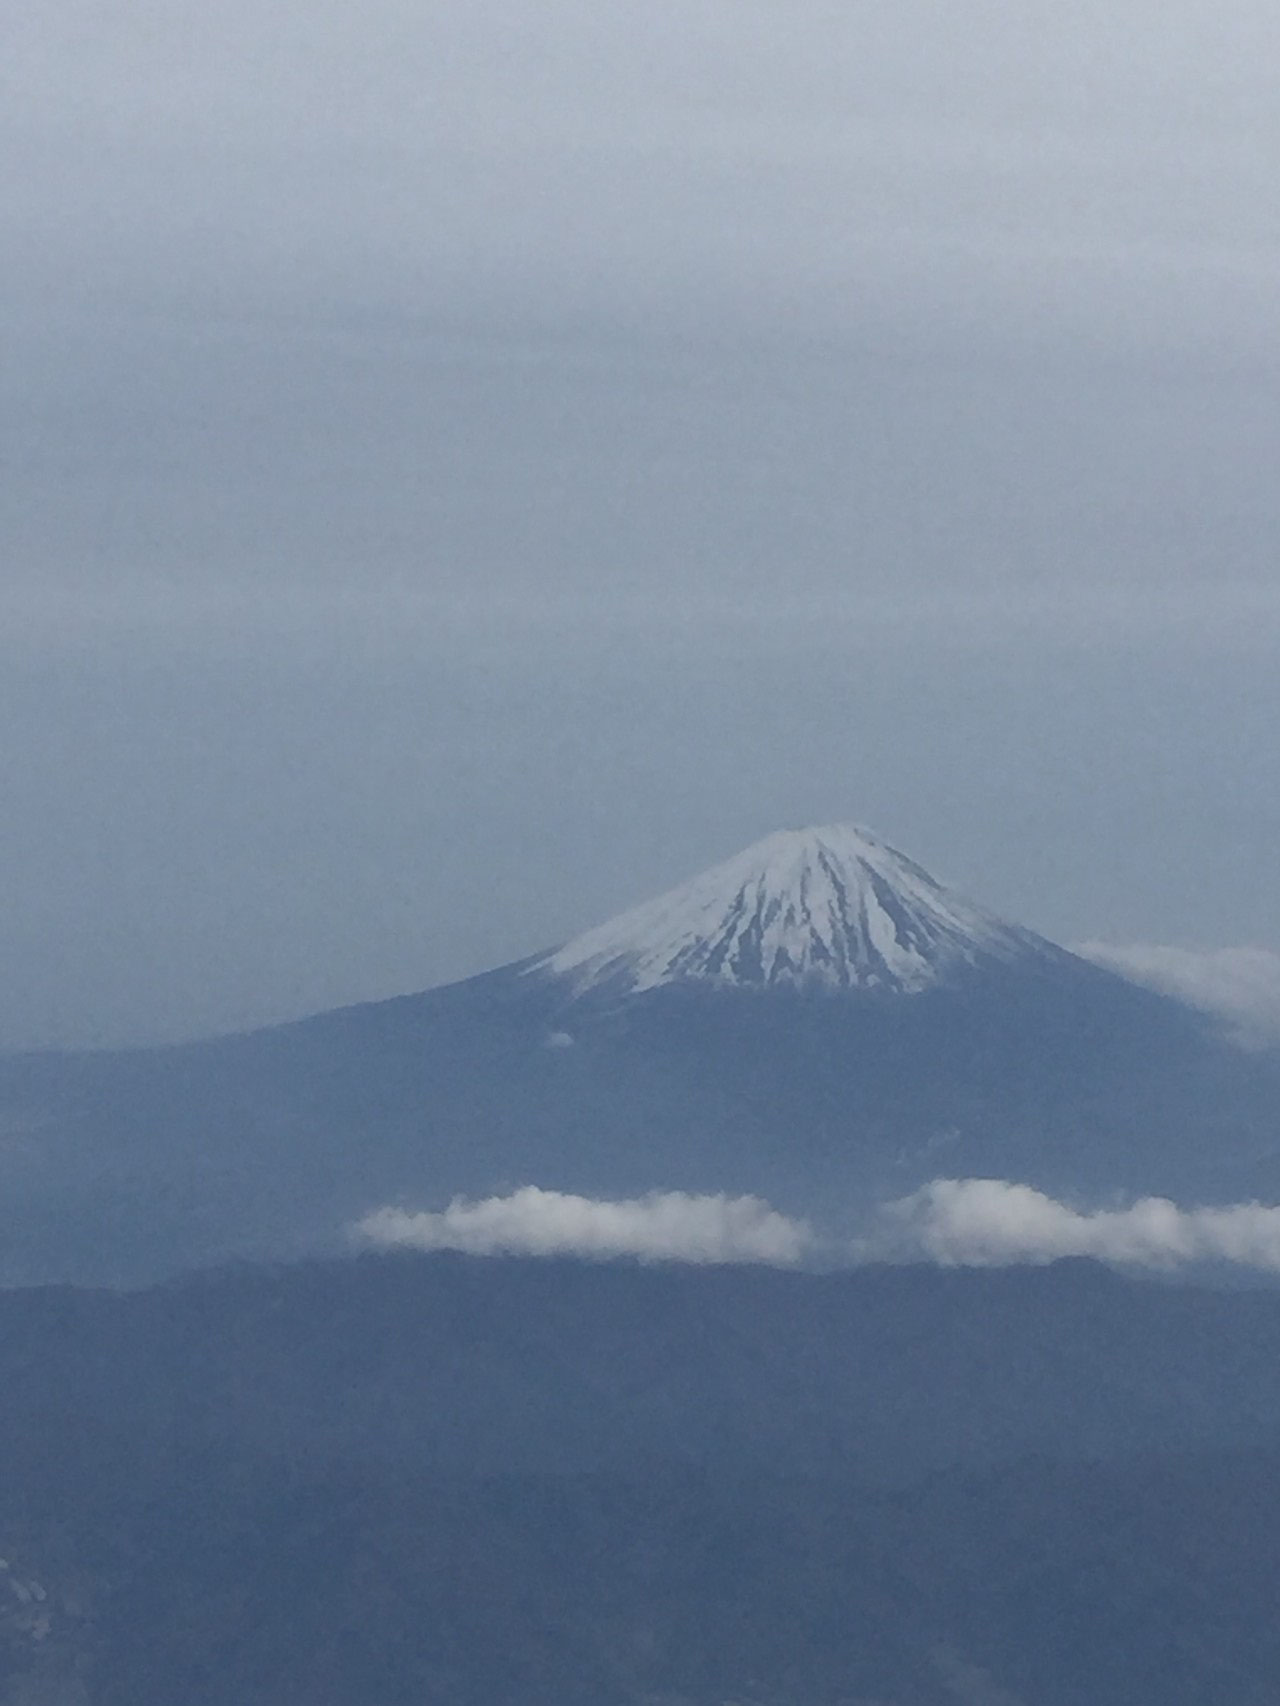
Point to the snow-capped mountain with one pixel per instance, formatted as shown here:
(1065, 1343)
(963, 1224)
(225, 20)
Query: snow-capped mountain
(815, 1022)
(832, 908)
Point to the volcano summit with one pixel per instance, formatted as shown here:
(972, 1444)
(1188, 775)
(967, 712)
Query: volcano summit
(832, 909)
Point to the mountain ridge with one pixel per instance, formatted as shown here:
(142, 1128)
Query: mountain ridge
(466, 1482)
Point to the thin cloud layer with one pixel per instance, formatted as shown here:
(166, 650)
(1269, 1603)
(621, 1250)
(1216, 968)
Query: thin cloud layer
(664, 1226)
(996, 1223)
(645, 153)
(1240, 985)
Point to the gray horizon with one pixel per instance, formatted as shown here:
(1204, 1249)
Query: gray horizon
(465, 472)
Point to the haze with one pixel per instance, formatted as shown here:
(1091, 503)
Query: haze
(465, 468)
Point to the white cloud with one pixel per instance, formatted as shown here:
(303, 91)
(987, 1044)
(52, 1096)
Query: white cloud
(668, 1226)
(1241, 985)
(951, 1222)
(995, 1223)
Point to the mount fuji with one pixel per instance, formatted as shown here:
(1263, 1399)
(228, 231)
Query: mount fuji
(815, 1021)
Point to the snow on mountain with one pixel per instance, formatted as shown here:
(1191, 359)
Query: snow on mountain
(827, 908)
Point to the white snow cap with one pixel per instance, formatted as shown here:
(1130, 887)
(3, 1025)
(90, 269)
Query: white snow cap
(825, 908)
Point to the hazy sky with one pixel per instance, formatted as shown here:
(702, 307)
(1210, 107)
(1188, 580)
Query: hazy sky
(467, 466)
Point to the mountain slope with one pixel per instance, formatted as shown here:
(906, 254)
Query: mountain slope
(453, 1483)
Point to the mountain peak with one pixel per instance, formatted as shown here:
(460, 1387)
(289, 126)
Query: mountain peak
(831, 908)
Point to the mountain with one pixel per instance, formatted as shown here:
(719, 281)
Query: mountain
(816, 1021)
(486, 1483)
(458, 1365)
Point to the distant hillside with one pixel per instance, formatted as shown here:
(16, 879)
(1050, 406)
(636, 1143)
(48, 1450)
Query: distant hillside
(479, 1366)
(486, 1483)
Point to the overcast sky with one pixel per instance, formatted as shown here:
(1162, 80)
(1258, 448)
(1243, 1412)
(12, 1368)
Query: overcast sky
(467, 466)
